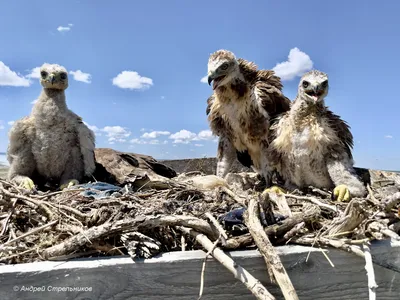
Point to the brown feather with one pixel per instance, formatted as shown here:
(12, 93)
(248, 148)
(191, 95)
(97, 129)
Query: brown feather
(343, 131)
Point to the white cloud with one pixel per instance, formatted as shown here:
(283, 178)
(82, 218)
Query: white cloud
(388, 136)
(204, 79)
(199, 145)
(297, 64)
(137, 141)
(11, 78)
(205, 135)
(185, 137)
(11, 123)
(35, 73)
(65, 28)
(116, 133)
(154, 142)
(182, 137)
(34, 101)
(132, 80)
(80, 76)
(154, 134)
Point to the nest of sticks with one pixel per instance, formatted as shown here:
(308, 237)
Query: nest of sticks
(190, 212)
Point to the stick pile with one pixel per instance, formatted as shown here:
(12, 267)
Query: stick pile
(181, 215)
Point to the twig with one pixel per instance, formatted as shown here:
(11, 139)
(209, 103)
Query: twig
(372, 196)
(37, 203)
(369, 267)
(204, 266)
(391, 201)
(353, 216)
(223, 235)
(327, 257)
(235, 197)
(183, 243)
(281, 202)
(311, 212)
(313, 200)
(254, 285)
(33, 231)
(5, 222)
(268, 251)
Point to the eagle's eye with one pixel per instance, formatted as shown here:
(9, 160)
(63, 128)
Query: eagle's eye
(224, 66)
(324, 84)
(63, 76)
(43, 74)
(305, 84)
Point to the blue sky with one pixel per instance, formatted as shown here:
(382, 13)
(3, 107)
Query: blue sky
(138, 64)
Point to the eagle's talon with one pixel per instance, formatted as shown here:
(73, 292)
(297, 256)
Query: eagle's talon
(275, 189)
(341, 193)
(69, 184)
(28, 184)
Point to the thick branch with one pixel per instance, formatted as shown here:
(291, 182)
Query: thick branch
(268, 251)
(240, 273)
(136, 224)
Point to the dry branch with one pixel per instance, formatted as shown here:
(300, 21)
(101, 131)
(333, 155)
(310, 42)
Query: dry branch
(138, 223)
(254, 285)
(369, 267)
(268, 251)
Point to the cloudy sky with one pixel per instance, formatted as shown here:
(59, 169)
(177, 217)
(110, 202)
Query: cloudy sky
(136, 67)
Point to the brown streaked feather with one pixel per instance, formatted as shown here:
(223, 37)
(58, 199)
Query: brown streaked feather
(210, 101)
(343, 131)
(272, 99)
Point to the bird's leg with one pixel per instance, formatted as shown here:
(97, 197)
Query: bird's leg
(226, 156)
(345, 179)
(73, 171)
(24, 182)
(22, 167)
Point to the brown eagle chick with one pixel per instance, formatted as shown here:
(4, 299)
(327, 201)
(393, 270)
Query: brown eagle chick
(312, 145)
(240, 111)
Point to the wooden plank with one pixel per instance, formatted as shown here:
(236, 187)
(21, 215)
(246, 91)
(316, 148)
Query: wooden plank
(176, 275)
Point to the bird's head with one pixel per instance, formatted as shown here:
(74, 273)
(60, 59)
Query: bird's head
(222, 68)
(53, 76)
(314, 86)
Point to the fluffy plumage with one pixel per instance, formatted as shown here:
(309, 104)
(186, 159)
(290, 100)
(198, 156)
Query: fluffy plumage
(52, 145)
(240, 111)
(312, 145)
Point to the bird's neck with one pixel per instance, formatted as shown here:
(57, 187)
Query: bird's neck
(302, 108)
(51, 106)
(236, 88)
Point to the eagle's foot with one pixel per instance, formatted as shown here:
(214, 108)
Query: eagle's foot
(275, 189)
(69, 183)
(341, 193)
(27, 184)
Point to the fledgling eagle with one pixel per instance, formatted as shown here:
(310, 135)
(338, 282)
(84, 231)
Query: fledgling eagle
(52, 145)
(312, 145)
(240, 111)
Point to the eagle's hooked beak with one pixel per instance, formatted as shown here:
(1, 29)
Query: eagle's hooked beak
(52, 77)
(210, 79)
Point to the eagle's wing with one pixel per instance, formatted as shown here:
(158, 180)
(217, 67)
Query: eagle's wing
(267, 88)
(87, 143)
(271, 98)
(342, 130)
